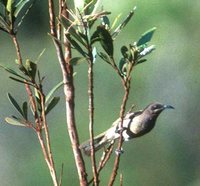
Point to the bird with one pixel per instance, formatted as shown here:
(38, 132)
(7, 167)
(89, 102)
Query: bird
(135, 124)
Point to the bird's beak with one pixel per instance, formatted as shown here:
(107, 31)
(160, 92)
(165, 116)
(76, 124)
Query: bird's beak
(168, 107)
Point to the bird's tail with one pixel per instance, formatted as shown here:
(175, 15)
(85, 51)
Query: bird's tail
(98, 144)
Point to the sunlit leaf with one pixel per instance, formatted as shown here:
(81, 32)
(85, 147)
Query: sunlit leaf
(89, 6)
(123, 24)
(52, 91)
(122, 66)
(15, 104)
(52, 104)
(20, 12)
(15, 121)
(76, 35)
(146, 37)
(94, 54)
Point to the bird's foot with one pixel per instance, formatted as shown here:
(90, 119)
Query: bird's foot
(119, 151)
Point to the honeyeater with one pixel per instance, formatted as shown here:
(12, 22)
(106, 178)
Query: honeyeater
(135, 124)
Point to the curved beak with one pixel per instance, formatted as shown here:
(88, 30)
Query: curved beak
(168, 107)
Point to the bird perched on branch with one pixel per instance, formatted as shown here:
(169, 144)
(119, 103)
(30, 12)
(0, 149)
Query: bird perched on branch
(135, 124)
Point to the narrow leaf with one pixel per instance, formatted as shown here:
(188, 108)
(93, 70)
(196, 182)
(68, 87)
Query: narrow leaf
(68, 26)
(105, 40)
(52, 104)
(76, 45)
(52, 91)
(15, 121)
(25, 110)
(123, 24)
(15, 104)
(146, 37)
(25, 81)
(105, 57)
(76, 60)
(31, 68)
(11, 71)
(20, 12)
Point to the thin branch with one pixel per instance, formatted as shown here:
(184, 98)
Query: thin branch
(46, 157)
(67, 72)
(121, 179)
(104, 159)
(61, 175)
(91, 123)
(48, 143)
(18, 52)
(118, 155)
(126, 85)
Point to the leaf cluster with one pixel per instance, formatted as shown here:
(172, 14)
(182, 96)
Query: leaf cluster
(29, 74)
(12, 13)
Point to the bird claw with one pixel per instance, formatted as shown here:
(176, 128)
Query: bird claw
(119, 129)
(119, 152)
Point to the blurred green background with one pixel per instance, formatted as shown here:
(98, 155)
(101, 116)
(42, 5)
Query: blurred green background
(169, 155)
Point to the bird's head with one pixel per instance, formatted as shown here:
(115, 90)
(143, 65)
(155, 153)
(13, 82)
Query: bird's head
(157, 108)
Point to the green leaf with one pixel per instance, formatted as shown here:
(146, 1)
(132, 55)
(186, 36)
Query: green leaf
(11, 71)
(52, 104)
(25, 81)
(31, 68)
(21, 11)
(146, 37)
(141, 61)
(9, 5)
(124, 51)
(122, 66)
(105, 21)
(15, 121)
(90, 6)
(52, 91)
(76, 45)
(15, 104)
(4, 25)
(76, 35)
(25, 110)
(105, 40)
(105, 57)
(123, 24)
(76, 60)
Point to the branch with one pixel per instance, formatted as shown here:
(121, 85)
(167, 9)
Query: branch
(67, 72)
(46, 130)
(126, 85)
(91, 123)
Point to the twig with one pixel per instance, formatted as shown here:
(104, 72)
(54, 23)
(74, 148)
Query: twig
(91, 123)
(104, 159)
(126, 85)
(67, 72)
(121, 179)
(61, 175)
(46, 131)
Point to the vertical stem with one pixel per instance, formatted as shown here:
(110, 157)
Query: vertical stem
(15, 41)
(91, 121)
(67, 71)
(46, 157)
(118, 155)
(46, 131)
